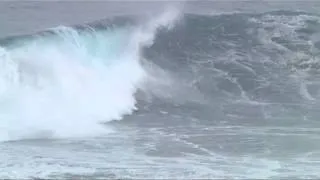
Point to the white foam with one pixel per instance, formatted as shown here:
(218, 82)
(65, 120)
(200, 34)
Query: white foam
(65, 87)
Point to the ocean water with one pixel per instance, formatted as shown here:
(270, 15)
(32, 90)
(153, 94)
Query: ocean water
(156, 90)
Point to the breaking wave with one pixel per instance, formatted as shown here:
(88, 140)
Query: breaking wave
(66, 82)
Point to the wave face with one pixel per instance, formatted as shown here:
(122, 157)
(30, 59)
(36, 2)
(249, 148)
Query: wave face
(249, 61)
(72, 78)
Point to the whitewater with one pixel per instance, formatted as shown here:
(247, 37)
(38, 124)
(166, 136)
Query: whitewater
(186, 90)
(72, 80)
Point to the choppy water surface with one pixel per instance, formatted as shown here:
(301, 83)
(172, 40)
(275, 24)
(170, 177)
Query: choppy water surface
(179, 94)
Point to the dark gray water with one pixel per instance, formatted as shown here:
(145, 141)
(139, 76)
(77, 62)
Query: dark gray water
(157, 90)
